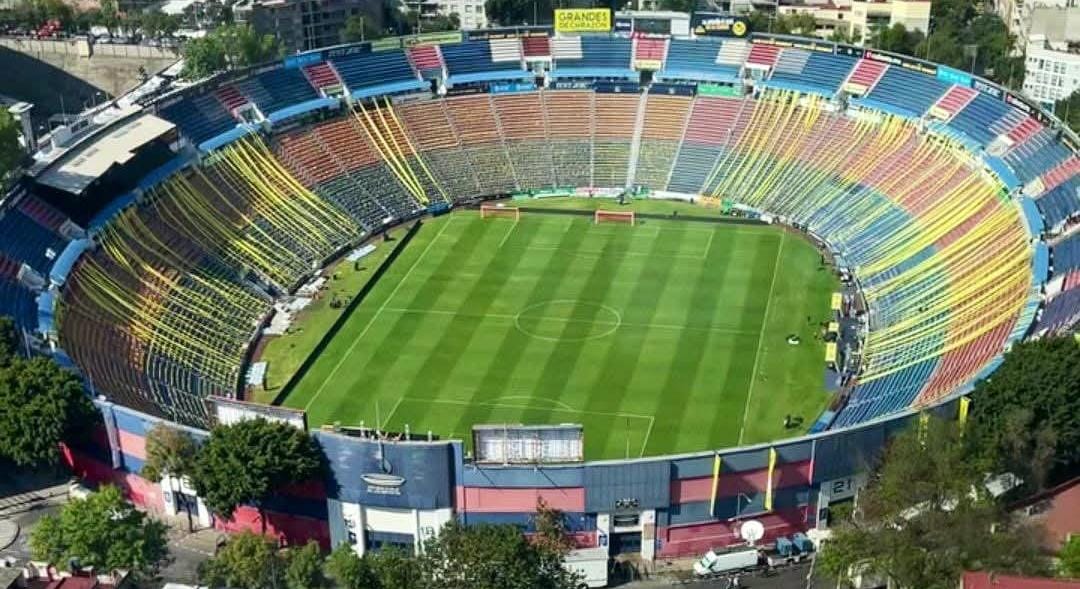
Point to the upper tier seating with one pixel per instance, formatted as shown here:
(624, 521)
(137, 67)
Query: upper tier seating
(278, 89)
(16, 301)
(381, 72)
(905, 92)
(649, 53)
(1061, 203)
(704, 59)
(864, 76)
(479, 61)
(953, 101)
(762, 56)
(426, 59)
(1067, 255)
(592, 57)
(1039, 153)
(24, 239)
(536, 48)
(322, 76)
(199, 118)
(1061, 312)
(810, 71)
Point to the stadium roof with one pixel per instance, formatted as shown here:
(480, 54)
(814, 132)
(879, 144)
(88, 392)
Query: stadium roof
(88, 162)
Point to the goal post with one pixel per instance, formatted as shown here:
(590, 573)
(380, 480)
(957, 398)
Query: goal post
(487, 211)
(601, 216)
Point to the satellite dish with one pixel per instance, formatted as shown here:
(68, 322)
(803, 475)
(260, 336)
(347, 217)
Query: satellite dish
(752, 531)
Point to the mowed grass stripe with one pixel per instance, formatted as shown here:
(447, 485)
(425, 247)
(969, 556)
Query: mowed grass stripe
(686, 301)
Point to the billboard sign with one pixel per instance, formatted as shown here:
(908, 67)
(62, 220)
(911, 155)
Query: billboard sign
(582, 20)
(715, 24)
(524, 444)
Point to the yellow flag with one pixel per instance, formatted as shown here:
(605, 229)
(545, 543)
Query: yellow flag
(715, 484)
(768, 484)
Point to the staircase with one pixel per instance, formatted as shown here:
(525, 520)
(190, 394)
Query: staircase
(635, 144)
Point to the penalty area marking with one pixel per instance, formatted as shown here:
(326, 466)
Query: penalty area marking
(509, 232)
(386, 303)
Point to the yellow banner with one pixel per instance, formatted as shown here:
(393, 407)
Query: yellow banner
(715, 484)
(768, 484)
(582, 20)
(965, 406)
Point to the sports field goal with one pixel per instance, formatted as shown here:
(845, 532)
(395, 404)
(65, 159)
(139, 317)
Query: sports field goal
(487, 211)
(602, 216)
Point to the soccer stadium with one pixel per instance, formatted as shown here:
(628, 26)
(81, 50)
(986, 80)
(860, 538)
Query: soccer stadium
(666, 284)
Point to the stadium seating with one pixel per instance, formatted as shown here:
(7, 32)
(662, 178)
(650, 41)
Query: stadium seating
(277, 89)
(810, 71)
(16, 301)
(649, 53)
(162, 316)
(905, 92)
(199, 118)
(592, 57)
(864, 76)
(661, 134)
(704, 60)
(28, 240)
(483, 61)
(377, 73)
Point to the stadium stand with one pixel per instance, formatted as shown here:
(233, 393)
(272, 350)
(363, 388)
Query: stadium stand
(1067, 255)
(570, 121)
(31, 239)
(976, 119)
(199, 118)
(616, 115)
(864, 76)
(905, 92)
(703, 60)
(525, 135)
(536, 48)
(484, 61)
(377, 73)
(323, 77)
(955, 99)
(762, 56)
(604, 57)
(664, 125)
(277, 89)
(16, 301)
(474, 122)
(426, 59)
(649, 53)
(810, 71)
(231, 98)
(1037, 154)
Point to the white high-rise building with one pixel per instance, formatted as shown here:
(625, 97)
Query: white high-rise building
(1052, 70)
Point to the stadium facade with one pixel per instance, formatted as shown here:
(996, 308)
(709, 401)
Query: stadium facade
(937, 187)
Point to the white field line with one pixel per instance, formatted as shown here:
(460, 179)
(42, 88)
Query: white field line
(512, 317)
(386, 303)
(761, 337)
(648, 433)
(509, 232)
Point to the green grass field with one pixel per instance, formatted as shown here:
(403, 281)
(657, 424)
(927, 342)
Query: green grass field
(667, 336)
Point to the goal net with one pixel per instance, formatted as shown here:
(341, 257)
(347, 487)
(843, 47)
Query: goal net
(487, 211)
(613, 217)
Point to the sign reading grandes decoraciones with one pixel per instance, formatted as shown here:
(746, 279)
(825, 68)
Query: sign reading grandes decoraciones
(582, 20)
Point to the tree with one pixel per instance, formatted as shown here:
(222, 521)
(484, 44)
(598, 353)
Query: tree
(248, 461)
(11, 153)
(41, 404)
(488, 557)
(247, 561)
(110, 15)
(172, 452)
(349, 571)
(896, 39)
(516, 12)
(394, 569)
(1068, 110)
(1069, 558)
(360, 27)
(9, 340)
(101, 531)
(228, 46)
(1024, 416)
(203, 57)
(304, 568)
(926, 517)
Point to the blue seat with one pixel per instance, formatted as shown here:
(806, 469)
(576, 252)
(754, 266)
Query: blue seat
(601, 57)
(23, 240)
(18, 303)
(473, 62)
(1037, 155)
(199, 118)
(974, 120)
(277, 89)
(821, 73)
(365, 70)
(1067, 255)
(909, 93)
(696, 60)
(1060, 203)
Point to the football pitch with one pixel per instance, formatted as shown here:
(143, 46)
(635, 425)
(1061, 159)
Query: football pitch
(665, 336)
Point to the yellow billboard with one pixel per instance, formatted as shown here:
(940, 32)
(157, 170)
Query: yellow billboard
(582, 20)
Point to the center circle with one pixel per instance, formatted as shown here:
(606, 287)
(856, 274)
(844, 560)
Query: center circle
(567, 320)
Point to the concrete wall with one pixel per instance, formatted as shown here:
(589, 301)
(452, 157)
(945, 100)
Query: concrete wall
(41, 71)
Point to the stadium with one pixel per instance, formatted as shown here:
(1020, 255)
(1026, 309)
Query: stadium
(664, 283)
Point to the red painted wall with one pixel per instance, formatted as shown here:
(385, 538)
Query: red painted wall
(697, 539)
(491, 500)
